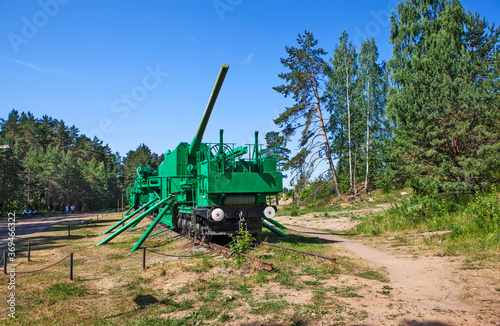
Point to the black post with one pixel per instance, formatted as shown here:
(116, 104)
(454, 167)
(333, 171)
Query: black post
(98, 217)
(143, 257)
(29, 251)
(71, 266)
(5, 262)
(69, 230)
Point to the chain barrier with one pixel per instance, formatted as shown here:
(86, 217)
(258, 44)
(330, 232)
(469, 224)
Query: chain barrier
(177, 256)
(38, 270)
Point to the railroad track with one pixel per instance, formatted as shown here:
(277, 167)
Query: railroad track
(262, 264)
(257, 262)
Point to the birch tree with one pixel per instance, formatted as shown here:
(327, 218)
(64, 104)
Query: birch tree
(372, 86)
(342, 94)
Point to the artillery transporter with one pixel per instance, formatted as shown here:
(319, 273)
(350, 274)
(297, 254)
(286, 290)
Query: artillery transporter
(204, 190)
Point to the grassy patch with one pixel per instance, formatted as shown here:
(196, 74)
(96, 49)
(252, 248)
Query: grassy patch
(268, 307)
(60, 291)
(474, 222)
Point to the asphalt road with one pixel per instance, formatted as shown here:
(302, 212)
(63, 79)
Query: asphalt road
(28, 225)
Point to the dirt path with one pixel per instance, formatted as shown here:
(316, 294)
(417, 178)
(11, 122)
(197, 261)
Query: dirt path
(427, 286)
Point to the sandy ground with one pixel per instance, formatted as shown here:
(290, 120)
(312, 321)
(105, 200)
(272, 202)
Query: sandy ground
(424, 289)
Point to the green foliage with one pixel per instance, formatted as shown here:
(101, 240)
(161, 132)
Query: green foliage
(243, 243)
(50, 164)
(444, 103)
(474, 220)
(345, 116)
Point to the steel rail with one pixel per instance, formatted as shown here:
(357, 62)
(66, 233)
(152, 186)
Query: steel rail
(267, 244)
(259, 263)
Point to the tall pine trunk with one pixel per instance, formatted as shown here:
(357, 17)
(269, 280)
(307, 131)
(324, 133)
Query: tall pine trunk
(367, 139)
(323, 130)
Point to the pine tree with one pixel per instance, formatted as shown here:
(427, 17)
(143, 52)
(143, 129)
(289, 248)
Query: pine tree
(304, 82)
(139, 157)
(45, 162)
(273, 139)
(443, 102)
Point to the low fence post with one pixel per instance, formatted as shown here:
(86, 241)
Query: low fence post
(71, 266)
(5, 262)
(143, 257)
(29, 251)
(69, 230)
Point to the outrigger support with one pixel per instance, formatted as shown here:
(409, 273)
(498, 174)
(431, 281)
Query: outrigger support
(151, 227)
(134, 221)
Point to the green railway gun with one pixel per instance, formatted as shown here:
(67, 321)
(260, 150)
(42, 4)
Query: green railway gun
(205, 190)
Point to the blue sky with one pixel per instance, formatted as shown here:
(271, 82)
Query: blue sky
(135, 72)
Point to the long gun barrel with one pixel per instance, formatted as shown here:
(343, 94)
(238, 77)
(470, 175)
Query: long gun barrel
(195, 144)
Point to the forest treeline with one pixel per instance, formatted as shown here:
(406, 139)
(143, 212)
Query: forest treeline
(428, 118)
(46, 165)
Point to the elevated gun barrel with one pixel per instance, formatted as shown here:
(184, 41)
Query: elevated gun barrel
(195, 144)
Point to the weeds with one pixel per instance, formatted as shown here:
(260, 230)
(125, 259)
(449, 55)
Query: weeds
(474, 221)
(243, 243)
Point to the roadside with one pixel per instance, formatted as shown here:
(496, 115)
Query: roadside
(27, 225)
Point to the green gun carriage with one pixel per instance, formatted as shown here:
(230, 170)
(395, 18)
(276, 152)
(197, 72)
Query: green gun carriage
(204, 189)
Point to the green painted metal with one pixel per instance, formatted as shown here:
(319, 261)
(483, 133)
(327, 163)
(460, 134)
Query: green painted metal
(129, 224)
(128, 217)
(201, 177)
(141, 227)
(151, 227)
(129, 210)
(274, 230)
(275, 223)
(152, 235)
(195, 144)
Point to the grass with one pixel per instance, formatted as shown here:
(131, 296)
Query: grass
(111, 288)
(474, 223)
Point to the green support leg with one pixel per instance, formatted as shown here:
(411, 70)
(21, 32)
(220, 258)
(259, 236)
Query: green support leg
(274, 230)
(129, 224)
(151, 227)
(134, 225)
(129, 210)
(141, 227)
(152, 235)
(128, 217)
(275, 223)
